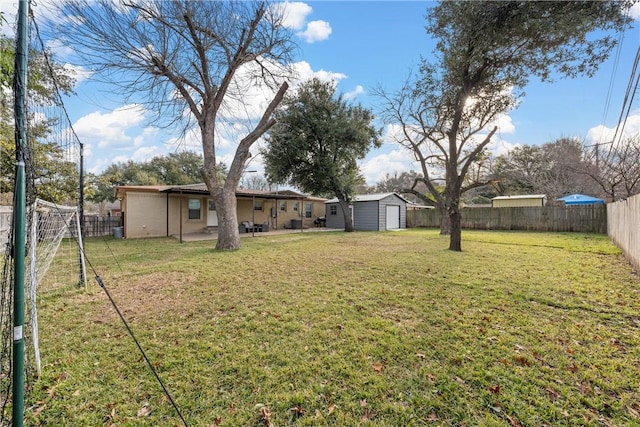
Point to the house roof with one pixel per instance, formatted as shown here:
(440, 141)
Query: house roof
(521, 196)
(581, 199)
(201, 188)
(369, 198)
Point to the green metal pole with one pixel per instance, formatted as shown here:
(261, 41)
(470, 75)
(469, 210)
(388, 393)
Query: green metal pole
(19, 215)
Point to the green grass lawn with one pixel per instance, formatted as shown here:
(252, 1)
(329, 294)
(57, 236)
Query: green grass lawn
(337, 329)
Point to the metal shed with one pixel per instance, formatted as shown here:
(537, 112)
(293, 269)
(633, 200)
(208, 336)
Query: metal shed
(373, 212)
(525, 200)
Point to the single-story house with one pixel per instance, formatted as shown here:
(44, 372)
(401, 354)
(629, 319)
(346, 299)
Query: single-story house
(386, 211)
(581, 199)
(171, 210)
(527, 200)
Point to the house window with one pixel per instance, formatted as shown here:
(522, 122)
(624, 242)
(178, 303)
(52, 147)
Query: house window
(295, 206)
(212, 205)
(194, 208)
(283, 206)
(257, 205)
(308, 209)
(333, 210)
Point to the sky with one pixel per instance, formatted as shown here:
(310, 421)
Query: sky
(362, 45)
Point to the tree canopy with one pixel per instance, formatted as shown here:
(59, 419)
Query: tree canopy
(51, 171)
(194, 62)
(616, 169)
(317, 142)
(485, 55)
(173, 169)
(555, 169)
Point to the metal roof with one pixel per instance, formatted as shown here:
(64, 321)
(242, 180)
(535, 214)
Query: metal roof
(581, 199)
(369, 198)
(521, 196)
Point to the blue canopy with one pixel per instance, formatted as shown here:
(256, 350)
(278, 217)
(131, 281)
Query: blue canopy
(581, 199)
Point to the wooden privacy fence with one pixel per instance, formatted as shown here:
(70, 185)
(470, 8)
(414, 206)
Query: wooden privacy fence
(585, 219)
(623, 219)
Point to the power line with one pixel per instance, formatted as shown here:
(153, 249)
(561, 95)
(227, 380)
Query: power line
(626, 105)
(613, 76)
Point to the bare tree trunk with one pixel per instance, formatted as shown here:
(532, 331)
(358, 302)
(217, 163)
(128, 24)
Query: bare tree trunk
(348, 220)
(445, 220)
(226, 207)
(224, 195)
(455, 217)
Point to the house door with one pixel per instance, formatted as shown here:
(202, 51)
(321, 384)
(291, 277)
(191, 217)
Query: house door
(393, 217)
(212, 215)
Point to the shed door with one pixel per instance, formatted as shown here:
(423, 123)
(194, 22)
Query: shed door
(393, 217)
(212, 215)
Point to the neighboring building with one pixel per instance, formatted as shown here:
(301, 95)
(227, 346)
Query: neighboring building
(386, 211)
(519, 201)
(171, 210)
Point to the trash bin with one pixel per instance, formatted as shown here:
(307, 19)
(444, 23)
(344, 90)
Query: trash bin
(296, 224)
(118, 232)
(265, 227)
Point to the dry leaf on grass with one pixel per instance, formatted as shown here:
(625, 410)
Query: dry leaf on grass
(144, 411)
(264, 414)
(495, 389)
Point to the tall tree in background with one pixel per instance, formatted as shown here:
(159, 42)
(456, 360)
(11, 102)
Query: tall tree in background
(55, 177)
(317, 142)
(617, 170)
(199, 57)
(173, 169)
(408, 183)
(486, 53)
(554, 169)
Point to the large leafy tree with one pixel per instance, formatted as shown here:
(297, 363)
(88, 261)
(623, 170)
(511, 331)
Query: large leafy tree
(486, 53)
(53, 174)
(173, 169)
(193, 61)
(317, 142)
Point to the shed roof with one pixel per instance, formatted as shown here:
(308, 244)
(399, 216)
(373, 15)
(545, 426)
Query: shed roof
(521, 196)
(369, 198)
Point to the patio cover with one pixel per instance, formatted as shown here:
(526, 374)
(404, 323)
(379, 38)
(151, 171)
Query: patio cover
(581, 199)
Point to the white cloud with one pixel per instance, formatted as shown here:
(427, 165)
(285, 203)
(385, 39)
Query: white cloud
(316, 31)
(634, 12)
(109, 129)
(79, 73)
(353, 93)
(144, 154)
(499, 146)
(602, 134)
(303, 72)
(375, 168)
(504, 123)
(242, 112)
(295, 17)
(294, 13)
